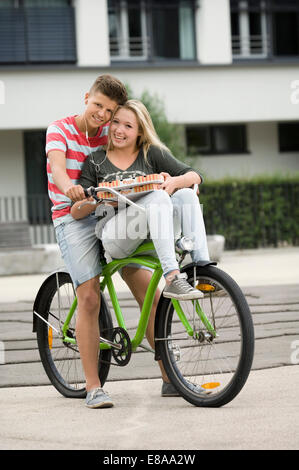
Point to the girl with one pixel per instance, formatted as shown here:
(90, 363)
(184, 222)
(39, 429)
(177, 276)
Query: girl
(134, 149)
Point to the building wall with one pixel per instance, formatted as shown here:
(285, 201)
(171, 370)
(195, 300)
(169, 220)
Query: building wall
(263, 158)
(214, 91)
(213, 39)
(191, 95)
(212, 22)
(92, 32)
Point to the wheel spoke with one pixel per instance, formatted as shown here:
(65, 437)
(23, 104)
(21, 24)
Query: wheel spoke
(61, 360)
(215, 363)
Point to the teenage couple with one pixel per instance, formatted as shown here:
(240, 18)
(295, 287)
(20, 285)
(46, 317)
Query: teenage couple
(113, 138)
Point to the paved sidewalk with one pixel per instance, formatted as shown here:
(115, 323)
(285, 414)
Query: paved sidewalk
(265, 415)
(269, 266)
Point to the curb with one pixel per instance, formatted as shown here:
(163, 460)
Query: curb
(43, 259)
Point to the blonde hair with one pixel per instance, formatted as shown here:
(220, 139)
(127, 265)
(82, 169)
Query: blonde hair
(148, 135)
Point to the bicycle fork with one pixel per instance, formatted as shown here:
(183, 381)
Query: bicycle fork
(190, 329)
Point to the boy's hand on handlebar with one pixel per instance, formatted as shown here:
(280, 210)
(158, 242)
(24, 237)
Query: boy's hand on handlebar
(75, 193)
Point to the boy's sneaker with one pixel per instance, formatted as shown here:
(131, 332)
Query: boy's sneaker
(97, 398)
(180, 289)
(168, 390)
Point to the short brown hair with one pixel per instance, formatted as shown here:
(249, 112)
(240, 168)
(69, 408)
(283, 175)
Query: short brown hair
(111, 87)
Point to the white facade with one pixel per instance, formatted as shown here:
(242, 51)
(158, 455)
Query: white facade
(214, 41)
(92, 33)
(213, 90)
(209, 94)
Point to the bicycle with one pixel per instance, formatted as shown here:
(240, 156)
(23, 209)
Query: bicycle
(207, 343)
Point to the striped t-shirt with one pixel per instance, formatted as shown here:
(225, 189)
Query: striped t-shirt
(65, 136)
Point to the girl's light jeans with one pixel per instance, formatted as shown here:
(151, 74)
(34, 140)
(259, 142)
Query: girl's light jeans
(166, 219)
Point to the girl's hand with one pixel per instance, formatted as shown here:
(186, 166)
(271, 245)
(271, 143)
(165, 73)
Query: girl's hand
(170, 183)
(165, 175)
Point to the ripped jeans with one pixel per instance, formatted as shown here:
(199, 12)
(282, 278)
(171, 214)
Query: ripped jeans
(166, 219)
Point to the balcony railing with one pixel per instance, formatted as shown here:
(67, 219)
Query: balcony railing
(251, 46)
(130, 49)
(32, 210)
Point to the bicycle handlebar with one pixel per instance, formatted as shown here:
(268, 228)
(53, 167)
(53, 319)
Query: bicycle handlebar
(92, 192)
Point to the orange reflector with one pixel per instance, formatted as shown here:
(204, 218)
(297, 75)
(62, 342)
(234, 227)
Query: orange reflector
(50, 337)
(210, 385)
(205, 287)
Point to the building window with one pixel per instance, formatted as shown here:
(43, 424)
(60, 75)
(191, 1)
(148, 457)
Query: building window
(37, 31)
(285, 27)
(151, 29)
(264, 28)
(288, 136)
(127, 30)
(38, 202)
(249, 29)
(216, 139)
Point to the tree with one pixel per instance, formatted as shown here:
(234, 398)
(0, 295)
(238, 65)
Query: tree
(172, 135)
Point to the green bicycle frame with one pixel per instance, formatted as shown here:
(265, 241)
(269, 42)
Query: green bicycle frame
(138, 257)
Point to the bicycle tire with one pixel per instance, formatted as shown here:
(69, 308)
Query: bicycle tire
(225, 361)
(61, 361)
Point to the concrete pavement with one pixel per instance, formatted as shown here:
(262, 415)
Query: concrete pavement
(265, 415)
(267, 266)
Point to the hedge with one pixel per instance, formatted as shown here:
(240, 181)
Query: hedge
(262, 212)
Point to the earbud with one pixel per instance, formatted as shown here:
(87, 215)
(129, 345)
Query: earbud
(86, 131)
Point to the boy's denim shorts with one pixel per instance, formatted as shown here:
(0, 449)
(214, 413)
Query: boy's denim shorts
(79, 248)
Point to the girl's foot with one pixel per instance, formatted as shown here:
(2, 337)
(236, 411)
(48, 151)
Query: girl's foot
(180, 289)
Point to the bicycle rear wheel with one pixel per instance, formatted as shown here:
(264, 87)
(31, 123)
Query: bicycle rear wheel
(218, 355)
(61, 360)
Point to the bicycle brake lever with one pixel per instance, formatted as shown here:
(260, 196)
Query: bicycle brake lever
(90, 192)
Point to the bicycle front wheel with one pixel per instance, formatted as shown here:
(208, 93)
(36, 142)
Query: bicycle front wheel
(61, 359)
(208, 344)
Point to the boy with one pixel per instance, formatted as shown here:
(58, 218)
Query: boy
(69, 141)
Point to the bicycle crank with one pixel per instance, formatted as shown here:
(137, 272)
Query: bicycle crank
(121, 347)
(123, 355)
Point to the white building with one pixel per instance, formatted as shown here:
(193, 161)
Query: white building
(227, 70)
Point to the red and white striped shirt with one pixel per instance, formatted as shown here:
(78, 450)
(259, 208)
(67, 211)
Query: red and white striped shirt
(65, 136)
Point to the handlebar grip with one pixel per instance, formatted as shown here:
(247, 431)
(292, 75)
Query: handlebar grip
(89, 191)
